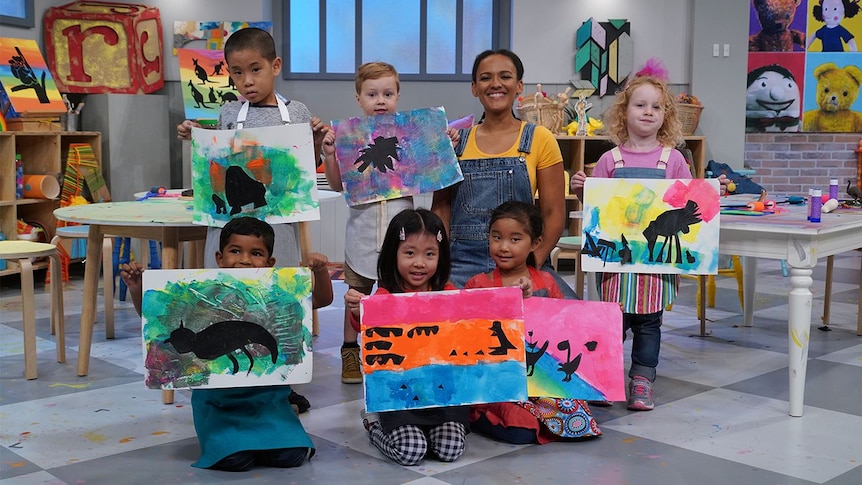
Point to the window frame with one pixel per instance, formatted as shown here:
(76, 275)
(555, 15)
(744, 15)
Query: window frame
(500, 38)
(28, 20)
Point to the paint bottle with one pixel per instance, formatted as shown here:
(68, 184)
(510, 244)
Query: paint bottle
(19, 177)
(833, 189)
(816, 203)
(810, 196)
(2, 261)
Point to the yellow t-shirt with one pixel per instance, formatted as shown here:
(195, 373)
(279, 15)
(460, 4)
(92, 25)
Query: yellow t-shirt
(544, 153)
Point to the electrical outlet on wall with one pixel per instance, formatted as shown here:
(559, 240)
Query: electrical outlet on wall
(726, 50)
(714, 50)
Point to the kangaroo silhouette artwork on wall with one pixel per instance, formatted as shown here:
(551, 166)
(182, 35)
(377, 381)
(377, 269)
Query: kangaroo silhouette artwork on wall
(226, 327)
(207, 83)
(651, 226)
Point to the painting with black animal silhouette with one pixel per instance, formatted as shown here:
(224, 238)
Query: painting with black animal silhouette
(395, 155)
(226, 327)
(26, 85)
(267, 173)
(574, 349)
(443, 348)
(668, 226)
(206, 83)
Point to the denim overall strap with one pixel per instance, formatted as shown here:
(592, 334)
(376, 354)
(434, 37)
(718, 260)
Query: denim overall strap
(488, 182)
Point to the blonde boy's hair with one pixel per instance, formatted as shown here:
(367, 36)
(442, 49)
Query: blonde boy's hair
(375, 70)
(670, 133)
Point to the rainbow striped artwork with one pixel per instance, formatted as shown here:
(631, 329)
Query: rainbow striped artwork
(389, 156)
(206, 84)
(443, 348)
(27, 86)
(667, 226)
(214, 328)
(574, 349)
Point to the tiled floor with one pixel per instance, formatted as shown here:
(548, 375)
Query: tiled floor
(721, 415)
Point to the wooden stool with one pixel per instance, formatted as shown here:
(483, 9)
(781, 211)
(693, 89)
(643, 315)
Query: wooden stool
(23, 251)
(569, 247)
(80, 232)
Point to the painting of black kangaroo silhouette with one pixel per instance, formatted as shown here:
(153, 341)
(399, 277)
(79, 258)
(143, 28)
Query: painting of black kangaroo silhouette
(240, 189)
(223, 338)
(601, 249)
(212, 96)
(227, 96)
(201, 73)
(505, 345)
(570, 366)
(668, 225)
(217, 68)
(381, 154)
(221, 208)
(230, 84)
(198, 97)
(23, 72)
(533, 355)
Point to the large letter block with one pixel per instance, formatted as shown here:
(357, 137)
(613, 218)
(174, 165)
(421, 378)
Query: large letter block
(104, 47)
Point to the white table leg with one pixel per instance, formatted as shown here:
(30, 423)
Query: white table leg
(749, 287)
(798, 333)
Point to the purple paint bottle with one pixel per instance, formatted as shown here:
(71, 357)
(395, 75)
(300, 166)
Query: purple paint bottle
(833, 189)
(816, 204)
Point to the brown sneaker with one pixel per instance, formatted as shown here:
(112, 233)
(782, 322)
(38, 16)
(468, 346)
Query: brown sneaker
(350, 371)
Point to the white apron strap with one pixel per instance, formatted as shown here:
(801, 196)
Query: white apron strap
(243, 111)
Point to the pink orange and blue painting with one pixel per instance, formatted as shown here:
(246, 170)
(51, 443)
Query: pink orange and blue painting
(574, 349)
(267, 173)
(214, 328)
(27, 86)
(206, 84)
(395, 155)
(667, 226)
(443, 348)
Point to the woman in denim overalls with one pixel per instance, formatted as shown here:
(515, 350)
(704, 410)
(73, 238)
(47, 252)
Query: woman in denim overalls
(502, 159)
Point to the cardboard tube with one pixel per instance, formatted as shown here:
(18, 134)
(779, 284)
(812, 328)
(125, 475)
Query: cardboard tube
(41, 187)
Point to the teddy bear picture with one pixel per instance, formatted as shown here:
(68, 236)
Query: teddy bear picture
(836, 90)
(779, 30)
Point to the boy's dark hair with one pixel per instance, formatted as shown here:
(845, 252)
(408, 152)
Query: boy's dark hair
(519, 66)
(251, 38)
(527, 214)
(247, 226)
(406, 223)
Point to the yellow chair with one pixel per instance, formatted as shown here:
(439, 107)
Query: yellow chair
(735, 270)
(23, 252)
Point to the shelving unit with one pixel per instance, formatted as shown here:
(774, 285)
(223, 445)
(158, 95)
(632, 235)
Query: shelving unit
(42, 153)
(579, 151)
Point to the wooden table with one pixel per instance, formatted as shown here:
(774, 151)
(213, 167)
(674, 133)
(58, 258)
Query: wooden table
(789, 236)
(168, 220)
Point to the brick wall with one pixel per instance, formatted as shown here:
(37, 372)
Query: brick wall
(790, 163)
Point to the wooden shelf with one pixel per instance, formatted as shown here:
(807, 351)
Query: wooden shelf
(42, 153)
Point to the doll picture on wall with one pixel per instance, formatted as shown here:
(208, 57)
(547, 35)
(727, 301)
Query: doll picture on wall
(773, 97)
(832, 25)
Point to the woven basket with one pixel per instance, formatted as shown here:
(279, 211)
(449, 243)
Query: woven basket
(689, 117)
(543, 111)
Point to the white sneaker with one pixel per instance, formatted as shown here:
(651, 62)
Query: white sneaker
(368, 419)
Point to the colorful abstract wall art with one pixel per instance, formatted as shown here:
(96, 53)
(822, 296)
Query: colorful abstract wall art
(26, 86)
(605, 54)
(443, 348)
(268, 173)
(395, 155)
(574, 349)
(651, 226)
(213, 33)
(214, 328)
(206, 83)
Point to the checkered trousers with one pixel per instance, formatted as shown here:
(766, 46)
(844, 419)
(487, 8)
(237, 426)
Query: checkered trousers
(407, 445)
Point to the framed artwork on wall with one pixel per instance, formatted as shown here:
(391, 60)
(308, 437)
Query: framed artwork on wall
(18, 13)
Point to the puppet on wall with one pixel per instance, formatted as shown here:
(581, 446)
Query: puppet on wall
(831, 35)
(775, 17)
(837, 89)
(772, 100)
